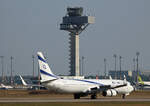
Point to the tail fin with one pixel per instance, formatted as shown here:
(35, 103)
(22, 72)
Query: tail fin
(22, 80)
(140, 80)
(45, 71)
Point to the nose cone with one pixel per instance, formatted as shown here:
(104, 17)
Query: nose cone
(131, 88)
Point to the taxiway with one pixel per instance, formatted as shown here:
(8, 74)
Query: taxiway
(14, 100)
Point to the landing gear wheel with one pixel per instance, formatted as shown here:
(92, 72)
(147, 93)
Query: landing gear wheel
(76, 96)
(123, 96)
(93, 96)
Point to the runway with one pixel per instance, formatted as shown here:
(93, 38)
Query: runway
(19, 100)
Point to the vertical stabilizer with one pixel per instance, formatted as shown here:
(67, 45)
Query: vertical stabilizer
(45, 71)
(140, 80)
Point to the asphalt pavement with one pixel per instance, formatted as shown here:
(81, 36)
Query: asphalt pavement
(15, 100)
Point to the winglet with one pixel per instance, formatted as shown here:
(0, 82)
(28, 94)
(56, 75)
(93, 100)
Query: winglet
(110, 77)
(22, 80)
(125, 80)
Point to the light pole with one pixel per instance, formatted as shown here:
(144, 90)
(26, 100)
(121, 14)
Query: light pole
(134, 69)
(105, 67)
(137, 71)
(11, 58)
(33, 63)
(2, 62)
(115, 56)
(120, 65)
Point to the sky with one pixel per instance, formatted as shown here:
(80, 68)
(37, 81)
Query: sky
(121, 27)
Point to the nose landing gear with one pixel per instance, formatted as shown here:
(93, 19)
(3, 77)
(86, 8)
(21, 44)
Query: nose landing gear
(93, 96)
(123, 96)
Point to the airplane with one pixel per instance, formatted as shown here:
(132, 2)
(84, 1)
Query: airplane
(5, 86)
(81, 87)
(144, 84)
(31, 86)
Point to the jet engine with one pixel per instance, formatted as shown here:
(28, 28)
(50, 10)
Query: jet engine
(110, 92)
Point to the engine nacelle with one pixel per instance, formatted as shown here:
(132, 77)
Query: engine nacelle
(110, 92)
(92, 89)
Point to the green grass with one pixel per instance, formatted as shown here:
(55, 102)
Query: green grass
(80, 104)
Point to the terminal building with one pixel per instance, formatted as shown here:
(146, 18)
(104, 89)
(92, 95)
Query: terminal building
(128, 73)
(120, 74)
(145, 72)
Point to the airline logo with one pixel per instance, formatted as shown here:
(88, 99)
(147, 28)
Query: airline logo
(44, 66)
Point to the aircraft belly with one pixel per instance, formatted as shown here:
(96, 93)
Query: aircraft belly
(73, 88)
(67, 88)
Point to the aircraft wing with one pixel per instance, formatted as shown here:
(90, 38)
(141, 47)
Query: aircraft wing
(96, 89)
(106, 87)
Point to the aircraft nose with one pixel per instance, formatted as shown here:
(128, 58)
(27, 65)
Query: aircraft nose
(132, 88)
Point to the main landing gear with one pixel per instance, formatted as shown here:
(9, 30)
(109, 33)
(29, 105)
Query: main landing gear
(123, 96)
(76, 96)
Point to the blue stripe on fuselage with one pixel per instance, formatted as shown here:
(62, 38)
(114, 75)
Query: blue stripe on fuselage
(40, 58)
(43, 72)
(92, 82)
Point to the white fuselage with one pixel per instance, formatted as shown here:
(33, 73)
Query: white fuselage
(5, 86)
(69, 86)
(83, 86)
(146, 83)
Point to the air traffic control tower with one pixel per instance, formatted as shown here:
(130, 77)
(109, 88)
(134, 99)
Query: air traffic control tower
(74, 22)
